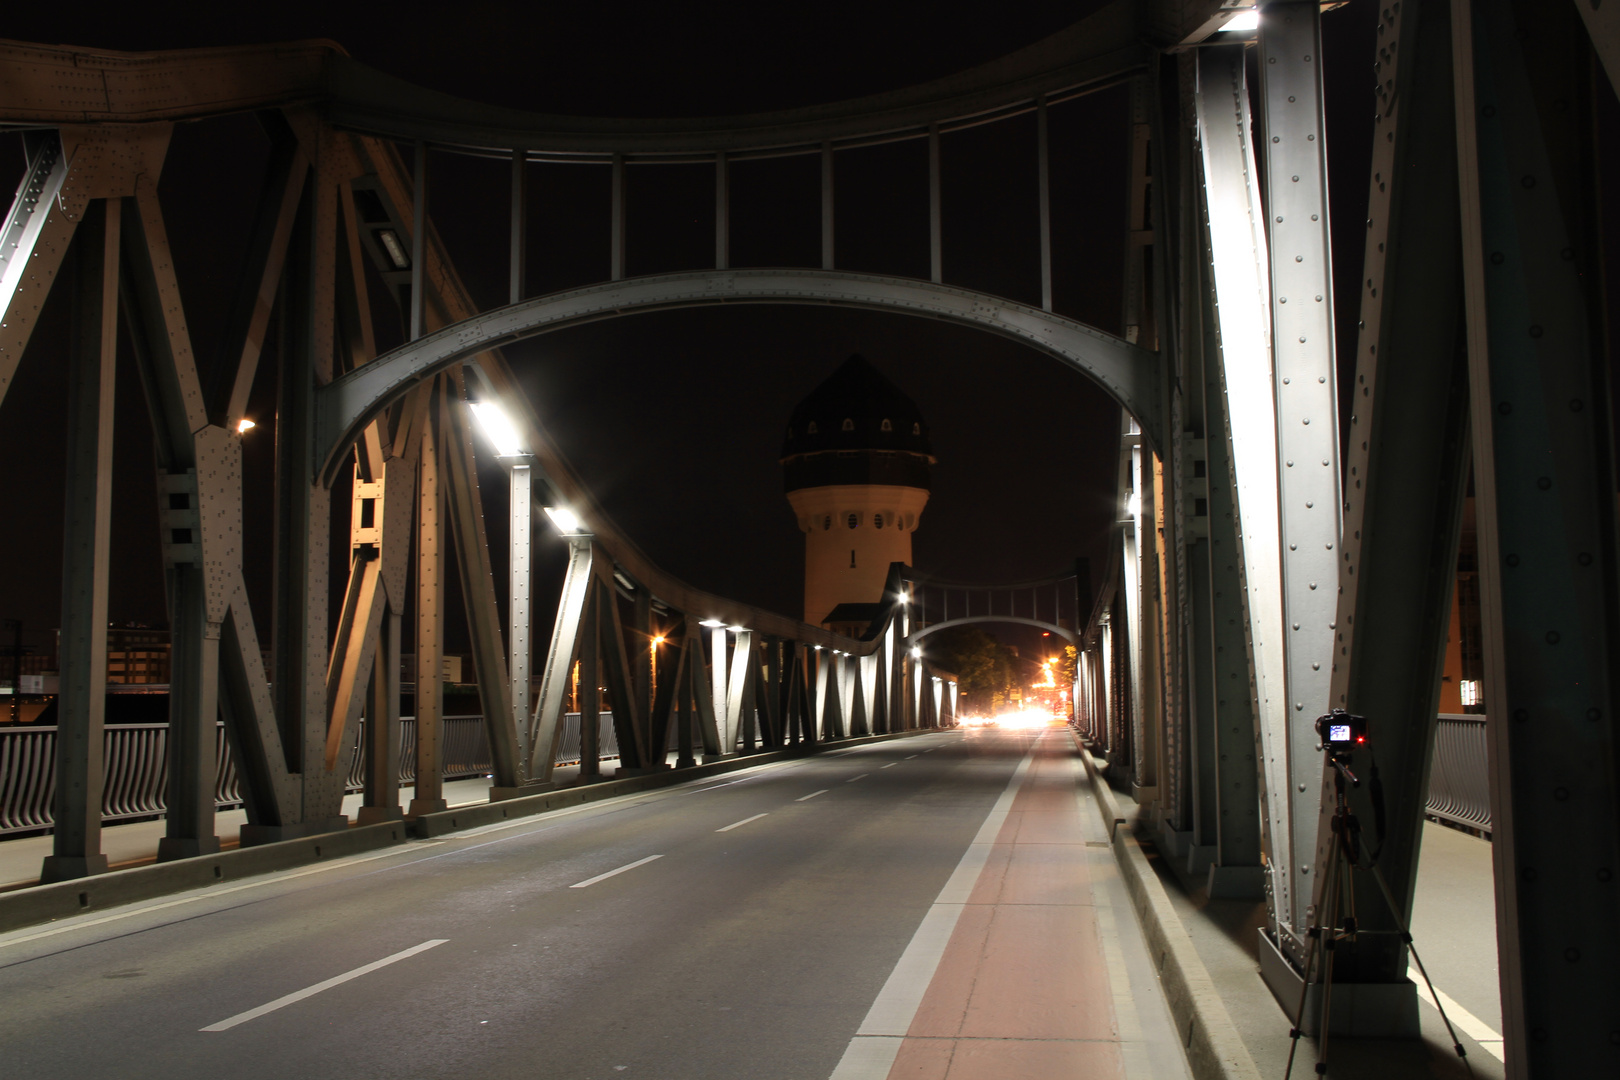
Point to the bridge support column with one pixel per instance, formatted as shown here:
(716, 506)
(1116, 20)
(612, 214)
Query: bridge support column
(86, 543)
(1544, 477)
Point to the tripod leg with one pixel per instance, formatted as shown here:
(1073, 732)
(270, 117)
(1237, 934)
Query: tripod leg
(1334, 886)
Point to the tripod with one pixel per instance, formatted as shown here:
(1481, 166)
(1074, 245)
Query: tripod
(1336, 916)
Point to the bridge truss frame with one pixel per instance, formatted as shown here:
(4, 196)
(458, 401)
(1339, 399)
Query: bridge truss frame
(1255, 582)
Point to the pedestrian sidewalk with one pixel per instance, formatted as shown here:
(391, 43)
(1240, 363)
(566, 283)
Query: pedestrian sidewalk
(1453, 927)
(1030, 964)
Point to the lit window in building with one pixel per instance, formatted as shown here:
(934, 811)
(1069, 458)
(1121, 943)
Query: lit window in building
(854, 521)
(811, 430)
(877, 519)
(849, 425)
(916, 429)
(1472, 692)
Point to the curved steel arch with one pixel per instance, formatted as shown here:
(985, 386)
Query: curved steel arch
(344, 406)
(966, 620)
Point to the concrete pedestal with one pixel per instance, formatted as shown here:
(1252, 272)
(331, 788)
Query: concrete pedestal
(254, 835)
(501, 794)
(1365, 1010)
(68, 867)
(171, 847)
(371, 815)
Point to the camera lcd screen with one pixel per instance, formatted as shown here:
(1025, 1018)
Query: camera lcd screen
(1338, 733)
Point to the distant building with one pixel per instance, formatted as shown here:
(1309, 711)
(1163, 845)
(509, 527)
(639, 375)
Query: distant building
(855, 466)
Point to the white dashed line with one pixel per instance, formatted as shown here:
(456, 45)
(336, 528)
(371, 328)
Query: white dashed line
(744, 821)
(603, 877)
(311, 991)
(891, 764)
(852, 779)
(813, 794)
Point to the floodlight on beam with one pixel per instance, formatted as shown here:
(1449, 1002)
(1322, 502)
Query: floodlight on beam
(566, 521)
(1243, 21)
(712, 624)
(498, 429)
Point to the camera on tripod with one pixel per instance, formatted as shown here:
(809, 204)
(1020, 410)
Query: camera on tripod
(1342, 733)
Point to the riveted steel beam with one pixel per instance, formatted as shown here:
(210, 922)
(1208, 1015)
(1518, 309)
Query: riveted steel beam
(1129, 373)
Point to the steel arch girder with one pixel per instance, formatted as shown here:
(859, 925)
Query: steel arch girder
(968, 620)
(1126, 371)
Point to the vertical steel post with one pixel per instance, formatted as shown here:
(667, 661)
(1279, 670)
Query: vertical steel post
(722, 212)
(826, 206)
(1043, 165)
(936, 254)
(520, 620)
(380, 801)
(590, 686)
(616, 254)
(86, 542)
(1305, 383)
(1544, 480)
(419, 242)
(429, 794)
(718, 672)
(518, 276)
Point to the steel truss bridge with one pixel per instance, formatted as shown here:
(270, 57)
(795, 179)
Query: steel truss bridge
(1260, 576)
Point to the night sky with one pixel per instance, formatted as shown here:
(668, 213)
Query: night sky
(675, 420)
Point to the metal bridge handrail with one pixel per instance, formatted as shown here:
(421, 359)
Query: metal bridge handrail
(933, 582)
(136, 766)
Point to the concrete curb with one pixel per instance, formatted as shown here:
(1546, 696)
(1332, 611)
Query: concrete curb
(64, 899)
(1214, 1050)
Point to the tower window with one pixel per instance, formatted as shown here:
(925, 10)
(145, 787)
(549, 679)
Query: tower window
(854, 520)
(790, 432)
(916, 429)
(826, 522)
(886, 425)
(852, 558)
(849, 425)
(811, 430)
(877, 519)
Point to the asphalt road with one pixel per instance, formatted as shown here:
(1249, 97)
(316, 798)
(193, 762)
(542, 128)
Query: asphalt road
(751, 951)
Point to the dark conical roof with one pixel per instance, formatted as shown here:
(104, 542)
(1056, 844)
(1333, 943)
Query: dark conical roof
(856, 408)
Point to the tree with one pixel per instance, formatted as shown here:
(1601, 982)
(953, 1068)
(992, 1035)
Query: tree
(982, 665)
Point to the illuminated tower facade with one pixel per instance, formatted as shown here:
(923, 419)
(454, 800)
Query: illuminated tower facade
(855, 466)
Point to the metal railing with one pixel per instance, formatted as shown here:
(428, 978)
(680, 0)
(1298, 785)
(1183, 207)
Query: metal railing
(135, 763)
(1459, 779)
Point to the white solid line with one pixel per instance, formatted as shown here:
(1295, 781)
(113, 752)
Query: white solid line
(744, 821)
(1466, 1022)
(311, 991)
(269, 879)
(891, 764)
(603, 877)
(852, 779)
(813, 794)
(896, 1005)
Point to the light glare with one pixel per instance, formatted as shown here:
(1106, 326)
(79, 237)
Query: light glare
(566, 521)
(244, 424)
(1243, 20)
(498, 429)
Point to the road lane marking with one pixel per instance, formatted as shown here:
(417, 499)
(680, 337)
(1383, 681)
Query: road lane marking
(268, 879)
(744, 821)
(813, 794)
(891, 765)
(1464, 1021)
(611, 873)
(871, 1053)
(311, 991)
(910, 756)
(852, 779)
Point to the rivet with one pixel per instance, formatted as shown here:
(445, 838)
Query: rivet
(1528, 181)
(1496, 257)
(1504, 407)
(1535, 331)
(1544, 482)
(1572, 954)
(1584, 558)
(1521, 715)
(1561, 794)
(1553, 637)
(1512, 560)
(1594, 714)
